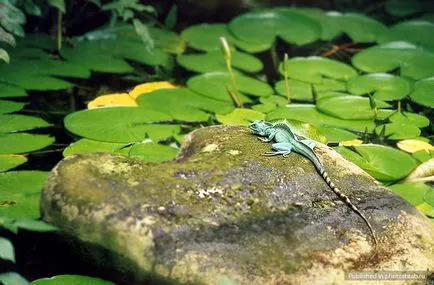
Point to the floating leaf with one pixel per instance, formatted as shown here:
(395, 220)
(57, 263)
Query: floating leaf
(413, 146)
(15, 123)
(348, 107)
(382, 162)
(351, 142)
(183, 104)
(315, 69)
(240, 117)
(149, 87)
(383, 86)
(71, 280)
(264, 26)
(110, 100)
(20, 194)
(423, 155)
(423, 92)
(153, 152)
(6, 250)
(10, 161)
(206, 37)
(22, 142)
(34, 225)
(429, 196)
(9, 91)
(214, 61)
(416, 120)
(12, 278)
(4, 55)
(9, 106)
(422, 173)
(59, 4)
(303, 91)
(336, 134)
(88, 146)
(395, 131)
(309, 114)
(120, 124)
(412, 192)
(215, 84)
(418, 32)
(413, 61)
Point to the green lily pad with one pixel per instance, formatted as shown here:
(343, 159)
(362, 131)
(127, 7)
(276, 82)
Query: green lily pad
(382, 162)
(395, 131)
(418, 32)
(214, 85)
(153, 152)
(20, 193)
(39, 83)
(15, 123)
(423, 92)
(360, 28)
(423, 155)
(308, 113)
(71, 280)
(206, 37)
(89, 146)
(120, 124)
(34, 225)
(183, 104)
(413, 61)
(348, 107)
(22, 142)
(402, 8)
(9, 106)
(10, 91)
(328, 32)
(382, 85)
(337, 135)
(214, 61)
(412, 192)
(91, 56)
(408, 118)
(315, 69)
(6, 250)
(264, 26)
(303, 91)
(10, 161)
(240, 117)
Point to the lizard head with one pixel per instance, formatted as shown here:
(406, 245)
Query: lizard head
(258, 127)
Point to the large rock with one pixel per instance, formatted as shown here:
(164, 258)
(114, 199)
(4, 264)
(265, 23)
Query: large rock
(222, 213)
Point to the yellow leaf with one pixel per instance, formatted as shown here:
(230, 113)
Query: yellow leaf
(414, 145)
(149, 87)
(351, 142)
(110, 100)
(423, 173)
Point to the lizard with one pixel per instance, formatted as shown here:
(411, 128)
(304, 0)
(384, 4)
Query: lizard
(286, 142)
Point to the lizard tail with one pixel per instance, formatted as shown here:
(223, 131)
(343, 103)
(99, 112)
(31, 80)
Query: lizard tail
(347, 201)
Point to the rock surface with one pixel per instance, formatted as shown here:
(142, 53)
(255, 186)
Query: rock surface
(222, 213)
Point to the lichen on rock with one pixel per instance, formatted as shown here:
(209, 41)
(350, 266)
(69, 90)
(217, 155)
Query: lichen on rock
(222, 211)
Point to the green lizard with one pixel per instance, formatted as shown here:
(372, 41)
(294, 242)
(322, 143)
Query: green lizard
(286, 141)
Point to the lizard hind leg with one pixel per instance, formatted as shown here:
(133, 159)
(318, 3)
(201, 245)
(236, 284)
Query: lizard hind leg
(281, 148)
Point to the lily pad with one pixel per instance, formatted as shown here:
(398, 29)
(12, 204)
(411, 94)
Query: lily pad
(413, 61)
(89, 146)
(10, 107)
(348, 107)
(10, 91)
(71, 280)
(38, 83)
(360, 28)
(382, 162)
(183, 104)
(337, 135)
(413, 146)
(303, 91)
(6, 250)
(309, 113)
(15, 123)
(423, 155)
(214, 61)
(206, 37)
(429, 197)
(418, 32)
(408, 118)
(412, 192)
(20, 193)
(240, 117)
(10, 161)
(395, 131)
(382, 85)
(22, 142)
(264, 26)
(315, 69)
(423, 92)
(153, 152)
(402, 8)
(214, 85)
(120, 124)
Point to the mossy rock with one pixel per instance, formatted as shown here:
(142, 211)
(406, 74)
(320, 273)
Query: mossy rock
(221, 212)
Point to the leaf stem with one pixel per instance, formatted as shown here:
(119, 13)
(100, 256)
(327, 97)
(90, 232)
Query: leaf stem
(59, 30)
(227, 56)
(285, 75)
